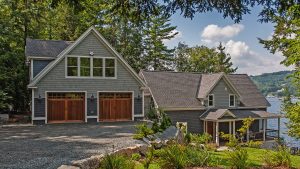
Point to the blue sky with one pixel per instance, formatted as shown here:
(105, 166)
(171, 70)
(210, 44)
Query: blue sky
(239, 39)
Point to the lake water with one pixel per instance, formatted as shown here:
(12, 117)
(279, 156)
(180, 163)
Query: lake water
(273, 123)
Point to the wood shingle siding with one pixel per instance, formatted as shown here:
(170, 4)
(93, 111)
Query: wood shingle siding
(221, 96)
(191, 117)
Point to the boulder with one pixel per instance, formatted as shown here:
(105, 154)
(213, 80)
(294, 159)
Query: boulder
(67, 167)
(89, 163)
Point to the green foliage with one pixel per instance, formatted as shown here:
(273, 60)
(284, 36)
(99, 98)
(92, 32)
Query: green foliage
(246, 125)
(280, 158)
(4, 99)
(254, 144)
(135, 156)
(149, 157)
(233, 142)
(142, 130)
(202, 59)
(188, 138)
(174, 156)
(238, 158)
(165, 120)
(204, 138)
(152, 114)
(198, 157)
(114, 161)
(271, 83)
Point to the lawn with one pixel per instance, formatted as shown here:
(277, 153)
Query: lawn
(255, 158)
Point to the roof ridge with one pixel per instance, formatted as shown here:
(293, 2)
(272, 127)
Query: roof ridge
(50, 40)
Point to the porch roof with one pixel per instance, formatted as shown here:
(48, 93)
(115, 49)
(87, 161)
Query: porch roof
(235, 114)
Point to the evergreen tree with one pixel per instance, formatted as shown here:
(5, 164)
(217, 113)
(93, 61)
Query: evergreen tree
(223, 63)
(157, 54)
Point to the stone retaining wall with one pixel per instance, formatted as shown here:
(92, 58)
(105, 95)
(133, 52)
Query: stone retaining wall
(94, 161)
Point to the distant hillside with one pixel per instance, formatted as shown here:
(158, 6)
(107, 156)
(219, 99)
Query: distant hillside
(273, 83)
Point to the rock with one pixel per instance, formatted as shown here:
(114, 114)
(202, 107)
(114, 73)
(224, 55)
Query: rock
(89, 163)
(223, 148)
(67, 167)
(146, 140)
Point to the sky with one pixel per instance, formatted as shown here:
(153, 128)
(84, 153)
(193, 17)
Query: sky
(240, 39)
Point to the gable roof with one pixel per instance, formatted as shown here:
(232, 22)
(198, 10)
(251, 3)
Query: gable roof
(62, 54)
(182, 89)
(218, 114)
(250, 95)
(209, 81)
(173, 90)
(45, 48)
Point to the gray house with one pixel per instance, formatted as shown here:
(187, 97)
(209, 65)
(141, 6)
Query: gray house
(210, 103)
(82, 81)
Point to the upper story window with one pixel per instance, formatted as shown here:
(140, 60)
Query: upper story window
(97, 67)
(211, 100)
(231, 100)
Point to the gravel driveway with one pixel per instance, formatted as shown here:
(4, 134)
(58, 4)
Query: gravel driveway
(50, 146)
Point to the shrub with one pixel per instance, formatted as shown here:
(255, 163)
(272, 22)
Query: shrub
(197, 157)
(148, 158)
(188, 138)
(116, 162)
(233, 142)
(281, 158)
(142, 130)
(201, 138)
(165, 120)
(254, 144)
(174, 156)
(211, 146)
(238, 158)
(135, 156)
(152, 114)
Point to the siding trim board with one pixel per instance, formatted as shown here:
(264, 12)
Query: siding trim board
(72, 46)
(46, 100)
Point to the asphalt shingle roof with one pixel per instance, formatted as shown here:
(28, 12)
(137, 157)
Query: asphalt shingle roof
(182, 89)
(45, 48)
(174, 90)
(216, 114)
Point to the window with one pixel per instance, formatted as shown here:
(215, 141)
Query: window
(211, 100)
(231, 100)
(98, 67)
(72, 63)
(85, 66)
(109, 67)
(82, 66)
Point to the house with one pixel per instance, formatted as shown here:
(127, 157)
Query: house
(209, 103)
(82, 81)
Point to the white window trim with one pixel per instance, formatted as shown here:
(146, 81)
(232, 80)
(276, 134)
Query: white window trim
(234, 100)
(91, 68)
(213, 105)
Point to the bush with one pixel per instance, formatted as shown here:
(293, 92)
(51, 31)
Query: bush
(142, 130)
(152, 114)
(233, 142)
(135, 156)
(201, 138)
(238, 158)
(116, 162)
(188, 138)
(281, 158)
(165, 120)
(211, 146)
(174, 156)
(254, 144)
(148, 158)
(197, 157)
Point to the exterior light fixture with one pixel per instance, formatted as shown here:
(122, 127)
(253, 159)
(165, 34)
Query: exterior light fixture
(91, 53)
(92, 97)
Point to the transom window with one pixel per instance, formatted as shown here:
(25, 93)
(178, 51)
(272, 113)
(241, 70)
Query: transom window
(231, 100)
(211, 100)
(91, 67)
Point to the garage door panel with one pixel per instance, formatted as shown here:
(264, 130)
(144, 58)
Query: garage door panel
(115, 107)
(65, 107)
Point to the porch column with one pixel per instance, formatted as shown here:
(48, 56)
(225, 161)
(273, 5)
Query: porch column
(217, 133)
(278, 127)
(233, 132)
(204, 131)
(264, 129)
(247, 134)
(230, 131)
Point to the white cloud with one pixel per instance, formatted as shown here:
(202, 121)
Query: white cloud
(215, 33)
(176, 39)
(251, 62)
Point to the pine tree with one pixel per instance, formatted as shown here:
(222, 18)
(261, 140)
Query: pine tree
(222, 62)
(157, 54)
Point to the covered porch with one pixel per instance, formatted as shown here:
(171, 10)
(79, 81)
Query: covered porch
(229, 121)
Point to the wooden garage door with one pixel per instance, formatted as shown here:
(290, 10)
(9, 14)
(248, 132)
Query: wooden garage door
(65, 107)
(115, 106)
